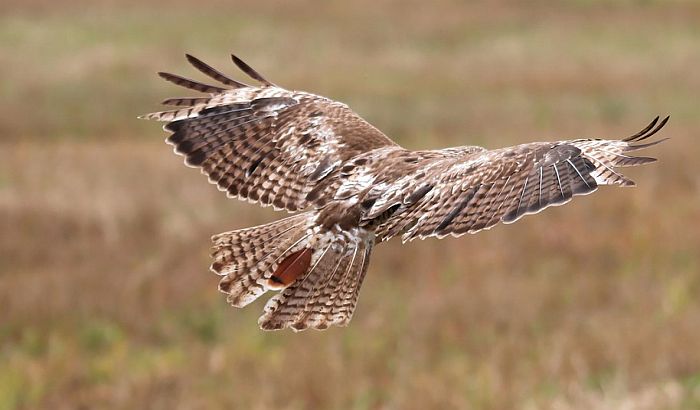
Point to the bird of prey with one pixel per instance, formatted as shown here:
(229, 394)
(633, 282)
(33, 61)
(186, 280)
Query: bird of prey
(349, 187)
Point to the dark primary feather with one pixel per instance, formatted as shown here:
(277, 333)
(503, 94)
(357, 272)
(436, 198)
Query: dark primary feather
(648, 131)
(191, 84)
(213, 73)
(185, 101)
(249, 70)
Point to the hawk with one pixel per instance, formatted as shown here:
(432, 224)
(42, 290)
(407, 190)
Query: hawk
(349, 187)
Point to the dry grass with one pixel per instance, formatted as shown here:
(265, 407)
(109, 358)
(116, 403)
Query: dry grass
(105, 297)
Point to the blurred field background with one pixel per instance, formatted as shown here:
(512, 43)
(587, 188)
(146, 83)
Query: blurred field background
(105, 297)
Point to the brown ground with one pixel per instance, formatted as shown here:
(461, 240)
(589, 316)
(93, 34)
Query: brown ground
(105, 298)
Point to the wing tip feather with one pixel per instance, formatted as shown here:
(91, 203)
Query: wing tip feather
(243, 66)
(213, 73)
(649, 130)
(191, 84)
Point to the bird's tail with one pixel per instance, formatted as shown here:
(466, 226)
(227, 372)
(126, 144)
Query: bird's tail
(318, 272)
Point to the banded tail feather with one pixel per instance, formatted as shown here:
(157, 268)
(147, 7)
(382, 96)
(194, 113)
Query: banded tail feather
(317, 271)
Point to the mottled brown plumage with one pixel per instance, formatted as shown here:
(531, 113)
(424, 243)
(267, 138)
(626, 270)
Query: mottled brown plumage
(353, 187)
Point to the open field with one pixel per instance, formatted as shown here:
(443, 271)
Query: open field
(105, 298)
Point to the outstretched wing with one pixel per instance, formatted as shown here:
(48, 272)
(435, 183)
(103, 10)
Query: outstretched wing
(468, 193)
(264, 144)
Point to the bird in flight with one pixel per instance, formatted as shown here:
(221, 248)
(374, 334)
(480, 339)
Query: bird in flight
(349, 187)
